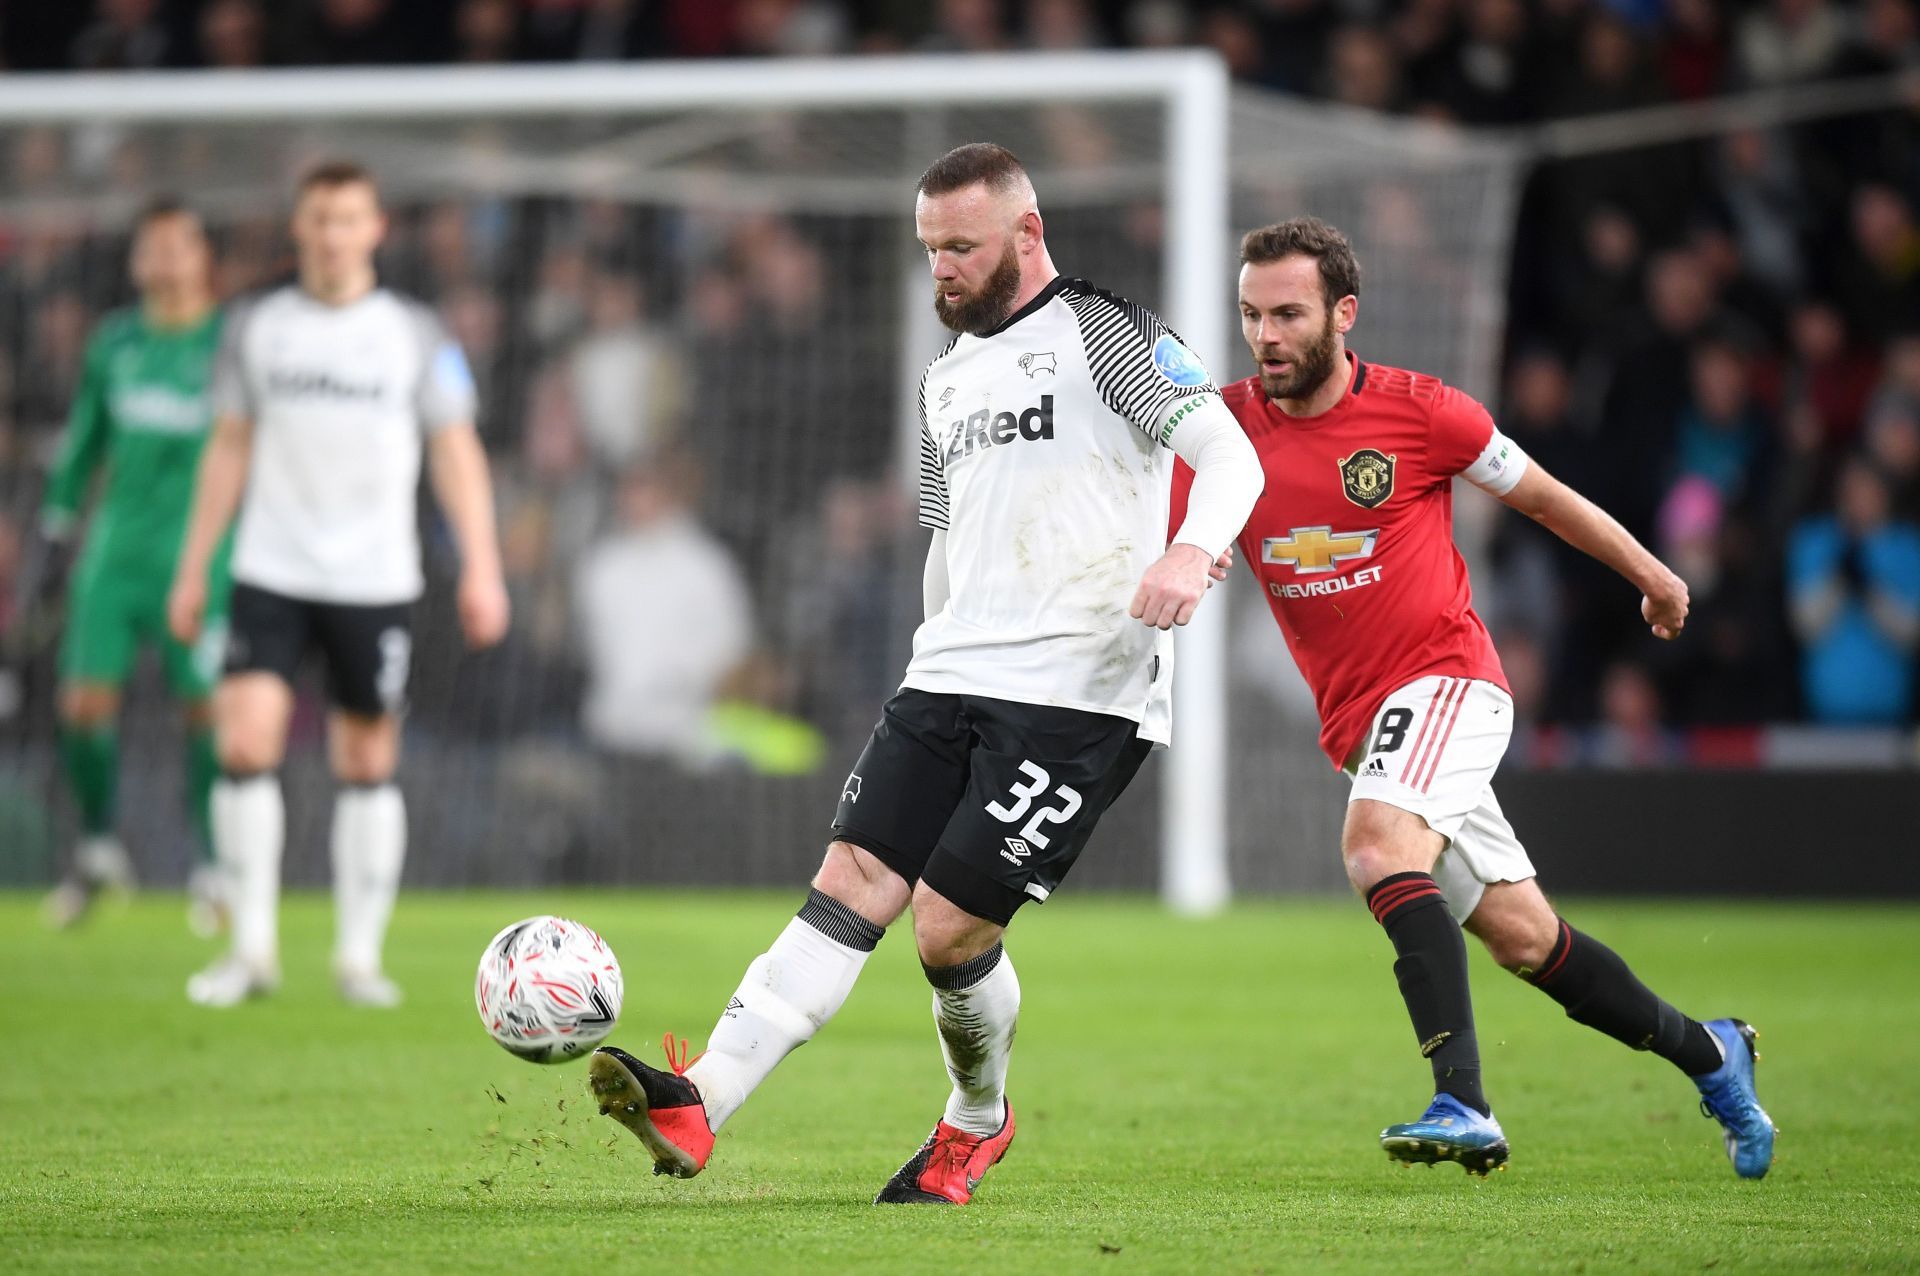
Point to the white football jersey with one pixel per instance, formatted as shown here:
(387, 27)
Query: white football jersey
(1044, 457)
(340, 398)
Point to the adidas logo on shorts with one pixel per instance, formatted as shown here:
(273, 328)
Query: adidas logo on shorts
(1374, 769)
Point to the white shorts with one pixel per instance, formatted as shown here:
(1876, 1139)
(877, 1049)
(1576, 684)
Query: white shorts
(1432, 750)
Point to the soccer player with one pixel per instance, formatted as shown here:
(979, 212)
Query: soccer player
(1352, 543)
(1034, 691)
(323, 394)
(142, 414)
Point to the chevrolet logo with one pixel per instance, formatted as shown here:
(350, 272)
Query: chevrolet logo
(1317, 549)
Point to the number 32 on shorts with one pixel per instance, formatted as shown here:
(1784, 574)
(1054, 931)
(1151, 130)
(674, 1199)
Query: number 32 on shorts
(1033, 835)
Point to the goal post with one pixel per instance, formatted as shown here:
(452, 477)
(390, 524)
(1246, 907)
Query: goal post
(686, 136)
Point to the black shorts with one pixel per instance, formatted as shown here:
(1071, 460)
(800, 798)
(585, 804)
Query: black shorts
(367, 649)
(988, 801)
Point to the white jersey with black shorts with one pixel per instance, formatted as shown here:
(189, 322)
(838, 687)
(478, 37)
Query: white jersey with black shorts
(327, 554)
(1032, 696)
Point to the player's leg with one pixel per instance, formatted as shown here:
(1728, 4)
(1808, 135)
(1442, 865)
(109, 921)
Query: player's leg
(368, 847)
(1598, 989)
(898, 797)
(1417, 776)
(252, 708)
(1039, 781)
(193, 671)
(368, 652)
(96, 654)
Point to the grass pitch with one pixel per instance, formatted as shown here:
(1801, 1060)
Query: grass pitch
(1191, 1097)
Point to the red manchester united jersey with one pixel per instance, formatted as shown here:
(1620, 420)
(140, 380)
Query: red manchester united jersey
(1353, 540)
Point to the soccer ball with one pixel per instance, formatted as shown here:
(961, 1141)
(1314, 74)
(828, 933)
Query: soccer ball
(548, 989)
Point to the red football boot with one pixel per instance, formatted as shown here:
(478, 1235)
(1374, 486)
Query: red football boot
(948, 1166)
(663, 1109)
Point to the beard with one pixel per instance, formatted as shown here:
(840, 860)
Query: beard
(985, 310)
(1310, 370)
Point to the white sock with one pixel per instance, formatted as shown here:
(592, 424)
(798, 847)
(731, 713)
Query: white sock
(976, 1007)
(369, 845)
(249, 828)
(788, 994)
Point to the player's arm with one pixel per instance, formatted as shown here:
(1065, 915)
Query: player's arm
(43, 567)
(217, 487)
(81, 451)
(1227, 480)
(935, 588)
(462, 483)
(1594, 532)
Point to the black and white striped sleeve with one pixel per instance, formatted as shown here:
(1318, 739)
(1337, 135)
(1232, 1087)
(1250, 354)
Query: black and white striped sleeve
(933, 474)
(1141, 368)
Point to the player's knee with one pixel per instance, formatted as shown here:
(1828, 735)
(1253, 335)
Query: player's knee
(859, 880)
(1519, 930)
(1368, 862)
(247, 752)
(88, 708)
(946, 934)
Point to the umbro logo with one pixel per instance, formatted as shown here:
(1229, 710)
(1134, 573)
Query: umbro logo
(946, 396)
(1017, 850)
(1034, 364)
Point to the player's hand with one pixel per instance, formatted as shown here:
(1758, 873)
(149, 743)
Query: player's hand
(1173, 587)
(1222, 565)
(1665, 608)
(483, 608)
(186, 605)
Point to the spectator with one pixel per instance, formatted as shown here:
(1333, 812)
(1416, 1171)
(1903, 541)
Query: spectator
(351, 33)
(1362, 70)
(1722, 438)
(664, 617)
(1484, 78)
(485, 31)
(233, 35)
(1789, 41)
(1879, 279)
(1693, 54)
(1854, 581)
(624, 379)
(1830, 376)
(125, 35)
(1893, 441)
(1887, 39)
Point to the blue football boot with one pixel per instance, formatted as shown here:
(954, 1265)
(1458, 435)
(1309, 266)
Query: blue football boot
(1448, 1130)
(1727, 1095)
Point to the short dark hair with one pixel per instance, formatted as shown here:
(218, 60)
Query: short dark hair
(1307, 237)
(976, 162)
(328, 174)
(161, 207)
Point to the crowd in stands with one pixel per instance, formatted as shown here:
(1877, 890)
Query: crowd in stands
(1719, 340)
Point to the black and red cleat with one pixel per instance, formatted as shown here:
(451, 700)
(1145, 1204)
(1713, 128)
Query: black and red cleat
(663, 1109)
(948, 1166)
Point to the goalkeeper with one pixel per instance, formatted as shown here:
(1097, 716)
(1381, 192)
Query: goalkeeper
(142, 414)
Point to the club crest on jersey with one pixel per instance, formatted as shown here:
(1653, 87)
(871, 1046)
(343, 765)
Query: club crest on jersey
(1176, 363)
(1367, 477)
(1034, 364)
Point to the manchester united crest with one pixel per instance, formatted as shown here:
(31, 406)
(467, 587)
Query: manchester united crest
(1367, 477)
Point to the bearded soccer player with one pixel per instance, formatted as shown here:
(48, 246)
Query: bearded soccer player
(1352, 543)
(142, 414)
(1034, 692)
(328, 394)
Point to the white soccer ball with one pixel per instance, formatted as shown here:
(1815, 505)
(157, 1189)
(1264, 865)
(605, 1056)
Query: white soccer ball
(548, 989)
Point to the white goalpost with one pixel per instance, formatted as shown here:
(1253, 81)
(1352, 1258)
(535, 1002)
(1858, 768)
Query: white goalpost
(1138, 135)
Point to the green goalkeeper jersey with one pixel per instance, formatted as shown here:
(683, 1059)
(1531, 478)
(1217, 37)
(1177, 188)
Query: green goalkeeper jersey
(144, 412)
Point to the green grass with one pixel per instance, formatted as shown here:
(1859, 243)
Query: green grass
(1192, 1097)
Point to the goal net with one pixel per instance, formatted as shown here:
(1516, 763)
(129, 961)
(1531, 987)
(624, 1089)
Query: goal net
(696, 312)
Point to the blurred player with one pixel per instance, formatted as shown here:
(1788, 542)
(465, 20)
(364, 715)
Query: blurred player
(323, 394)
(1034, 691)
(142, 414)
(1353, 545)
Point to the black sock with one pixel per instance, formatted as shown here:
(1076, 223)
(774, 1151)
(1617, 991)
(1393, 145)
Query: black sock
(1598, 990)
(1432, 971)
